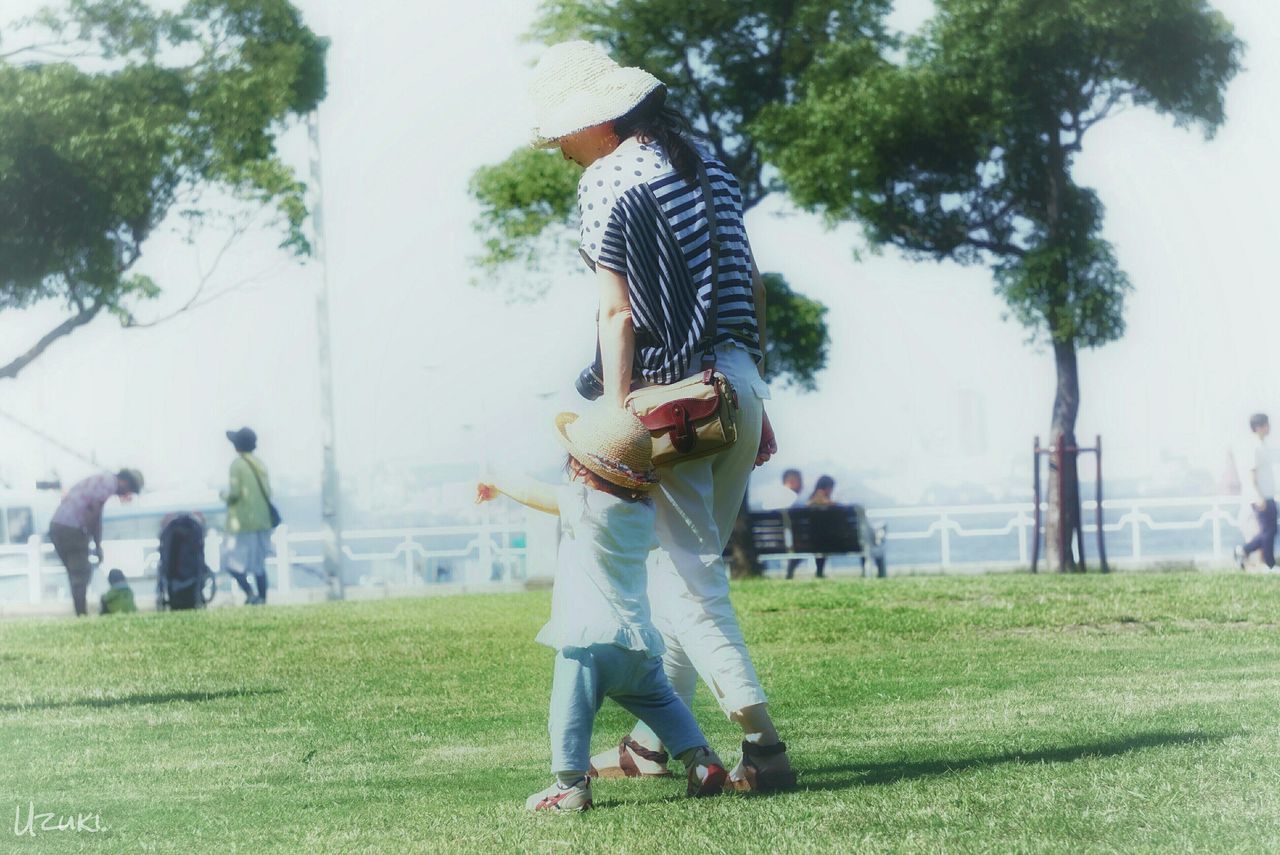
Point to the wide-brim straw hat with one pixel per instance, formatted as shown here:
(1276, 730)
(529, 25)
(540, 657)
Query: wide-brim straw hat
(612, 443)
(576, 85)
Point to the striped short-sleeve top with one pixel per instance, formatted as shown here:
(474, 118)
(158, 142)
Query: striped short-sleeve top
(641, 219)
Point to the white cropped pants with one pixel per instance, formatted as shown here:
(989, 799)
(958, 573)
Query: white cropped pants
(697, 504)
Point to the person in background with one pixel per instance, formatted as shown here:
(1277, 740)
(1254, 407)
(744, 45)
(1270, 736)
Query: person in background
(784, 496)
(819, 498)
(78, 520)
(248, 541)
(822, 490)
(118, 599)
(1258, 485)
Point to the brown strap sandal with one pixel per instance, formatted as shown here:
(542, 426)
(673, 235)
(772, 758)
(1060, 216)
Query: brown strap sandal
(755, 779)
(627, 768)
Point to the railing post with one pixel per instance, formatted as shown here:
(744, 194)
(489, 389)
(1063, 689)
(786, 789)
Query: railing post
(1217, 533)
(284, 560)
(1022, 540)
(408, 560)
(945, 519)
(486, 552)
(1135, 535)
(35, 569)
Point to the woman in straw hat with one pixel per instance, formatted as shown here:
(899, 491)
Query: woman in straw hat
(605, 642)
(645, 230)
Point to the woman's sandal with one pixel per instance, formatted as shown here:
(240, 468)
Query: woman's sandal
(627, 768)
(751, 777)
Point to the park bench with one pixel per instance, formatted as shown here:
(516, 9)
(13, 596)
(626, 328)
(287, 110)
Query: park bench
(809, 532)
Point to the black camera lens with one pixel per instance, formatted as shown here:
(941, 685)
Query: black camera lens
(589, 383)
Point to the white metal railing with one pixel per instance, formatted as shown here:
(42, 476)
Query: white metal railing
(375, 558)
(1136, 531)
(996, 536)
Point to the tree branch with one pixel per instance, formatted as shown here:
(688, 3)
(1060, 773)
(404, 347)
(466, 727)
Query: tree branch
(239, 227)
(705, 106)
(82, 317)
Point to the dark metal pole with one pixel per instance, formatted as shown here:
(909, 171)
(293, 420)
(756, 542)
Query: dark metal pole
(1035, 511)
(1097, 492)
(1079, 526)
(1064, 534)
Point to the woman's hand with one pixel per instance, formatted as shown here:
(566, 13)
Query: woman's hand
(768, 442)
(486, 492)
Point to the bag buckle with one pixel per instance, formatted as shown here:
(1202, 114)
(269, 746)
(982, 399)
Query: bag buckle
(683, 435)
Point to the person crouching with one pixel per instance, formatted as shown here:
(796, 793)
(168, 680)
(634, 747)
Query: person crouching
(118, 599)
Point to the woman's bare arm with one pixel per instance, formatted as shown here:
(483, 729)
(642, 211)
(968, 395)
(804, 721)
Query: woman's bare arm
(617, 335)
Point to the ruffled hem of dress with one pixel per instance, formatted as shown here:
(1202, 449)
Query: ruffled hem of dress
(641, 639)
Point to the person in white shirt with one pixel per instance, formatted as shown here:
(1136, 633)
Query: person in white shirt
(784, 496)
(1258, 485)
(605, 641)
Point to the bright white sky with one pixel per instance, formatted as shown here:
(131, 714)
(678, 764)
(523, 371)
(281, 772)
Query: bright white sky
(926, 382)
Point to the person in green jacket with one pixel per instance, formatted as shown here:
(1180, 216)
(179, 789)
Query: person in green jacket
(118, 599)
(248, 535)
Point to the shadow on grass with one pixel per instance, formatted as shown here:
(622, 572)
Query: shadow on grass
(139, 700)
(848, 775)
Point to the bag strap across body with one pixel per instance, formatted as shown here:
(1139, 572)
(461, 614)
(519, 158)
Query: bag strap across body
(707, 342)
(254, 469)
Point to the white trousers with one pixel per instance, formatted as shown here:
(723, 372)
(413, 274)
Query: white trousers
(697, 504)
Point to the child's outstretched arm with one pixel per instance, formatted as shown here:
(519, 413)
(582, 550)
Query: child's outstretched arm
(527, 491)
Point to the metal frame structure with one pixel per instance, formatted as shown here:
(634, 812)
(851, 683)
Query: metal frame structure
(1058, 457)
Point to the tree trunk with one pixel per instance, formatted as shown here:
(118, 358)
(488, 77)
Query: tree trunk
(743, 561)
(1064, 482)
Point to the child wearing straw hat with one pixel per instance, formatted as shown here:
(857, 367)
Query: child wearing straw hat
(606, 644)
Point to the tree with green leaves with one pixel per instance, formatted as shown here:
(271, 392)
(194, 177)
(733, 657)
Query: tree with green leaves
(962, 148)
(115, 116)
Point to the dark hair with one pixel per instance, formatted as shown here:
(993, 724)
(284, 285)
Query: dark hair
(575, 467)
(826, 482)
(1258, 420)
(130, 479)
(653, 121)
(792, 473)
(115, 576)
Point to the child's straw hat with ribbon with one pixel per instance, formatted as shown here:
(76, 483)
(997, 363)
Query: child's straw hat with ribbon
(612, 443)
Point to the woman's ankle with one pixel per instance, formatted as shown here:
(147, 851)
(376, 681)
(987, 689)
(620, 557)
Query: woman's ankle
(757, 726)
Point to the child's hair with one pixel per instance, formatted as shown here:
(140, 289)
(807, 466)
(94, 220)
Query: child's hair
(115, 577)
(576, 469)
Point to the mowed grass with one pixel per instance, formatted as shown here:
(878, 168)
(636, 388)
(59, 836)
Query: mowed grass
(1005, 713)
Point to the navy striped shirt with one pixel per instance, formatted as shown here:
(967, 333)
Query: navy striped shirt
(644, 221)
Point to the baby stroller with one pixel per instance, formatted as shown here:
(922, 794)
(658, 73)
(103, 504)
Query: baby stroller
(183, 579)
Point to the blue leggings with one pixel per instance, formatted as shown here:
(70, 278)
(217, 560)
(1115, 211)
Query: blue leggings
(584, 676)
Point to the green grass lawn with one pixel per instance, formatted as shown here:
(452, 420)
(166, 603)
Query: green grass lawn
(1003, 713)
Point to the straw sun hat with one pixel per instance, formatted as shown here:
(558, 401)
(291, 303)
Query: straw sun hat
(612, 443)
(576, 85)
